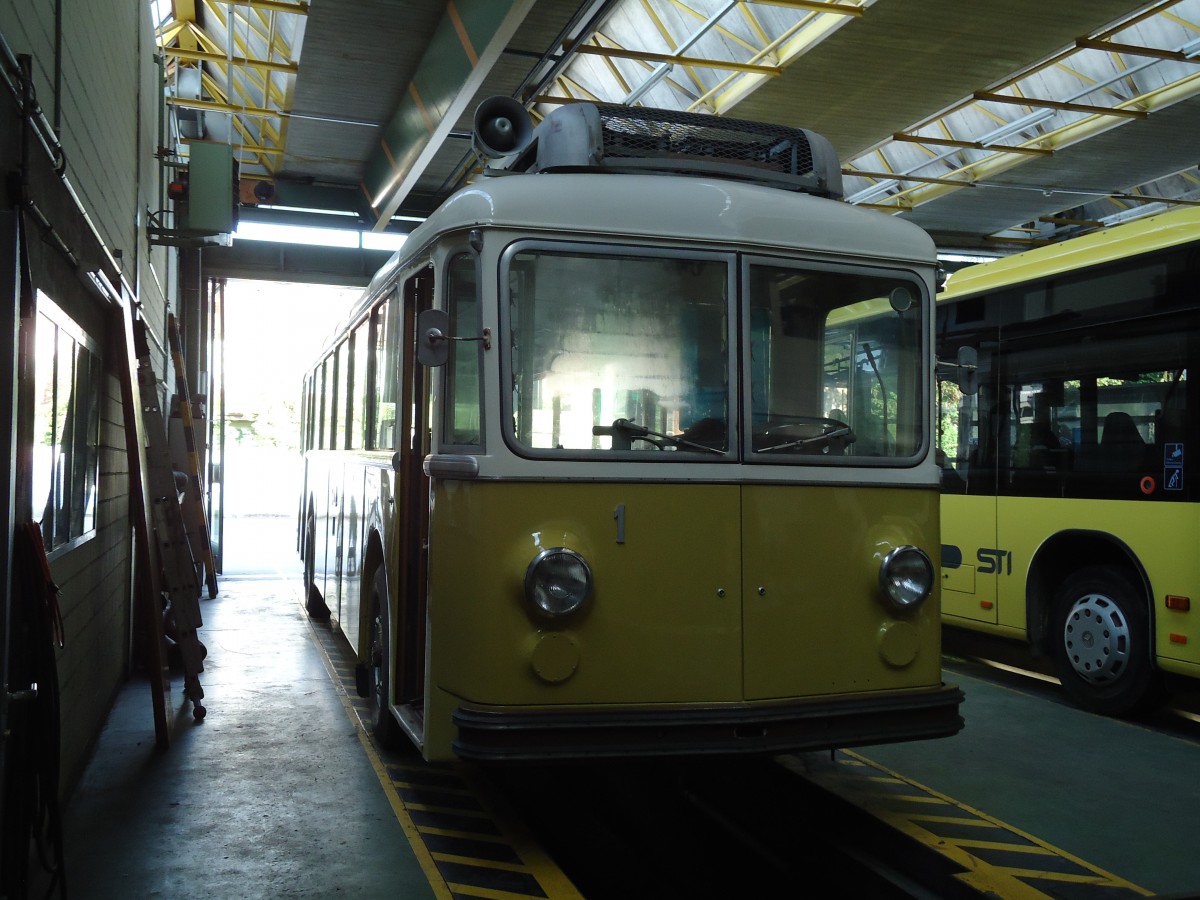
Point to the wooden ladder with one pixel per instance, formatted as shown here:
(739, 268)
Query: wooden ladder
(193, 497)
(180, 581)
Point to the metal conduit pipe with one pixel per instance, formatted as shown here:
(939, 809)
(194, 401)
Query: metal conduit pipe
(13, 75)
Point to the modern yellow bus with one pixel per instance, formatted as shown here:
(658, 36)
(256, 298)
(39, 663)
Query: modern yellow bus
(1069, 508)
(629, 451)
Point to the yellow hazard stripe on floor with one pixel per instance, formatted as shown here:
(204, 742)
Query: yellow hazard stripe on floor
(467, 844)
(996, 858)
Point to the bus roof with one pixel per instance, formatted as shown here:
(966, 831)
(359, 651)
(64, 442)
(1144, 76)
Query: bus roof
(1167, 229)
(709, 212)
(706, 210)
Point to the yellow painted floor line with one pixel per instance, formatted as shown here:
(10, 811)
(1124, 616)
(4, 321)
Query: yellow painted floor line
(486, 863)
(520, 868)
(950, 820)
(458, 833)
(1005, 873)
(448, 810)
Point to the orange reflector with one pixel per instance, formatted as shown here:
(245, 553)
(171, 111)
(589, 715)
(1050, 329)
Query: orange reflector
(1183, 604)
(986, 604)
(1178, 638)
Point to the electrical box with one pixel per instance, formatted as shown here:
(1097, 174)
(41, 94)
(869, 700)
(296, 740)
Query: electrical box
(212, 192)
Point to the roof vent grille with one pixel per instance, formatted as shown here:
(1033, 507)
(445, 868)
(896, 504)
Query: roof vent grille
(610, 137)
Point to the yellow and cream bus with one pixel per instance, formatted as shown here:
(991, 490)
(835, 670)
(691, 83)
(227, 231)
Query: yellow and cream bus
(1069, 510)
(629, 451)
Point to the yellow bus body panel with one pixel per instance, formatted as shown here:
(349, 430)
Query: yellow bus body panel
(677, 615)
(1160, 536)
(657, 628)
(969, 523)
(814, 616)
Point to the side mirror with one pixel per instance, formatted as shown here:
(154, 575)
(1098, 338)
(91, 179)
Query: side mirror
(433, 343)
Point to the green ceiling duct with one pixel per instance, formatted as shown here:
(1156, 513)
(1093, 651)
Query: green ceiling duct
(467, 43)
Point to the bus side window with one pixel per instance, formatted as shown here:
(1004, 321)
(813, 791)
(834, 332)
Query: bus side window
(957, 435)
(341, 369)
(357, 405)
(463, 399)
(326, 435)
(383, 390)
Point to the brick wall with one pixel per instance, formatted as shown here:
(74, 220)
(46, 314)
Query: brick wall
(108, 107)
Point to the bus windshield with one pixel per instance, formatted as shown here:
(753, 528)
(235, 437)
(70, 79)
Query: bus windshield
(635, 353)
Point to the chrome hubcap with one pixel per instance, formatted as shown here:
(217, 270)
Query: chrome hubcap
(1097, 639)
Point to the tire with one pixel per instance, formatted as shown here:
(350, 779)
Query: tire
(1101, 634)
(379, 668)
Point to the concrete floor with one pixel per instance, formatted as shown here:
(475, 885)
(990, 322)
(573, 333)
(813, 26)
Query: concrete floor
(272, 795)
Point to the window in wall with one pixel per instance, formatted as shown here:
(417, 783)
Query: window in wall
(66, 450)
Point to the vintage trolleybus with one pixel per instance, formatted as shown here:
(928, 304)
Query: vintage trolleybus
(629, 451)
(1070, 509)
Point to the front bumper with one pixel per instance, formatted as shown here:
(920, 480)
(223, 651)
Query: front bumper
(493, 734)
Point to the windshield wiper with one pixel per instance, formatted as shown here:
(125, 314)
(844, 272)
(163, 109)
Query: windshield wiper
(841, 431)
(624, 432)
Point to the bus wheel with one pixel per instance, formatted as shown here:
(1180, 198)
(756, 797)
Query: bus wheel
(1102, 643)
(379, 667)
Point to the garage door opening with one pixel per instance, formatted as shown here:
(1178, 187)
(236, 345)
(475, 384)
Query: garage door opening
(265, 336)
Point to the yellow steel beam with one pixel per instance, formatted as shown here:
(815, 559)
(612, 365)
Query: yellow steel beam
(239, 91)
(1150, 198)
(794, 42)
(753, 23)
(970, 145)
(718, 28)
(168, 31)
(956, 182)
(214, 106)
(1089, 109)
(247, 148)
(1134, 50)
(693, 61)
(290, 68)
(299, 8)
(613, 70)
(233, 20)
(1061, 220)
(266, 128)
(838, 9)
(202, 39)
(265, 81)
(183, 10)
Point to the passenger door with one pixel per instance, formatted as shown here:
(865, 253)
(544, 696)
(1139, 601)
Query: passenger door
(412, 497)
(971, 449)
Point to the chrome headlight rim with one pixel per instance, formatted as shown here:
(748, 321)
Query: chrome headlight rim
(906, 577)
(555, 600)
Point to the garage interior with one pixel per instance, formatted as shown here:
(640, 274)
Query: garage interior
(141, 141)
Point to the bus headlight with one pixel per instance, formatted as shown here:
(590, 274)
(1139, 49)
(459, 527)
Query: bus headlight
(906, 576)
(557, 583)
